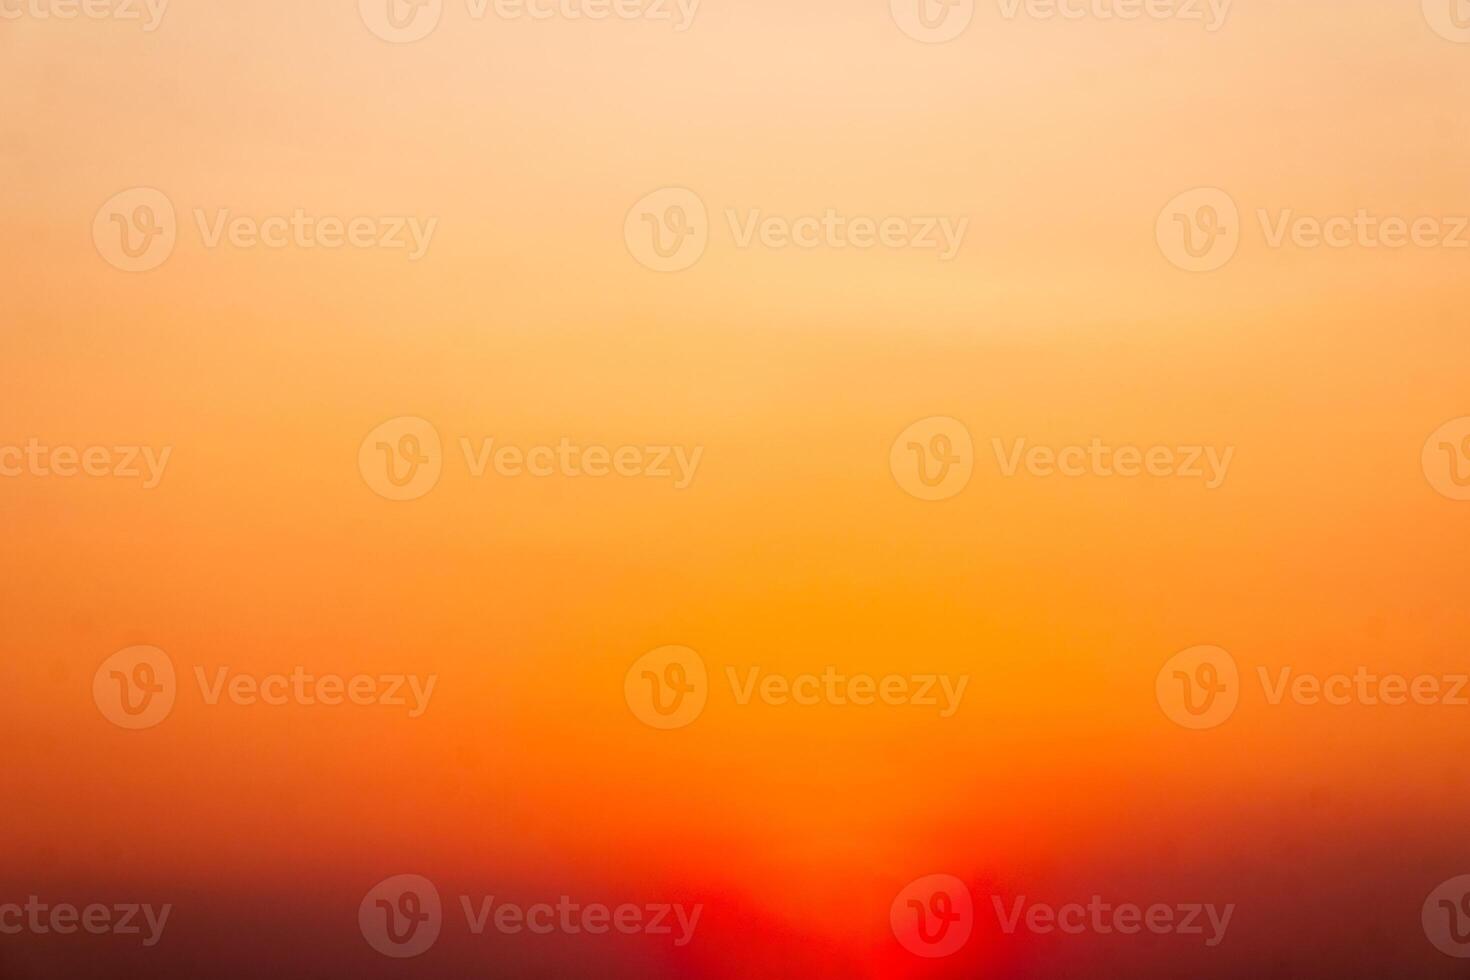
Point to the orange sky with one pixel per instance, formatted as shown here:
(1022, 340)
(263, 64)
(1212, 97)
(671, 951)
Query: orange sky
(529, 321)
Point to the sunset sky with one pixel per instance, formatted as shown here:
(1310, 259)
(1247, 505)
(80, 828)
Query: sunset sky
(533, 318)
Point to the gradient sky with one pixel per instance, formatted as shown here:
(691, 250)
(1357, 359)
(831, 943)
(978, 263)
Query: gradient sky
(529, 321)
